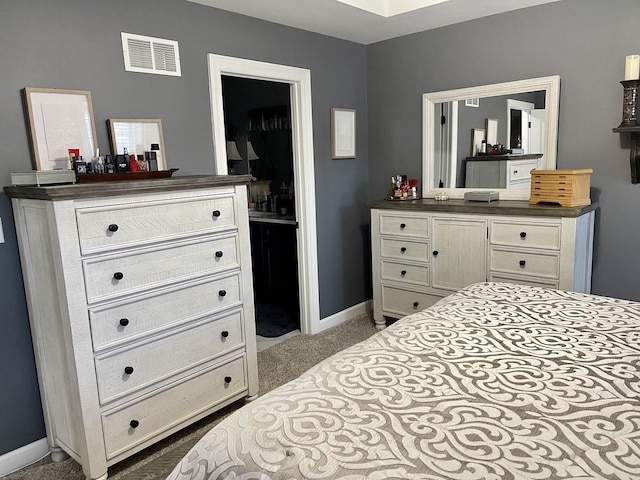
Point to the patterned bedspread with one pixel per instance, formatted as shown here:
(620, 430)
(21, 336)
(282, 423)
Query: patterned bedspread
(497, 381)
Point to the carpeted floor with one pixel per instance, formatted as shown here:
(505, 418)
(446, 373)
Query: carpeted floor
(276, 366)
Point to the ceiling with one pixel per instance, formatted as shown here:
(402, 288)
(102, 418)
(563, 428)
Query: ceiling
(369, 21)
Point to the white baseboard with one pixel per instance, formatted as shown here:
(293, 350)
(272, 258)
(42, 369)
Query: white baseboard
(344, 315)
(23, 456)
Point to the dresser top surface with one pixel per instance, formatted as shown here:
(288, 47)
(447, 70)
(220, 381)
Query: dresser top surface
(498, 207)
(123, 187)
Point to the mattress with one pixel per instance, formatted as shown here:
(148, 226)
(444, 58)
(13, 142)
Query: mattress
(496, 381)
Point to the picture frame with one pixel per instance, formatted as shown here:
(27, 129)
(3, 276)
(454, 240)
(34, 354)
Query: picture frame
(472, 102)
(343, 133)
(137, 135)
(477, 136)
(58, 120)
(492, 130)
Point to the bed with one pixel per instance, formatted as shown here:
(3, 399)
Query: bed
(496, 381)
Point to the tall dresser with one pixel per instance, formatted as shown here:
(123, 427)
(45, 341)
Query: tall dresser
(140, 300)
(422, 250)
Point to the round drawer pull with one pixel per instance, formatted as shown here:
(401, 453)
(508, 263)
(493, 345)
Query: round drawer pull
(403, 249)
(124, 322)
(128, 370)
(222, 293)
(113, 227)
(216, 213)
(402, 225)
(522, 263)
(523, 235)
(227, 379)
(415, 304)
(118, 275)
(403, 273)
(134, 423)
(435, 253)
(224, 334)
(219, 254)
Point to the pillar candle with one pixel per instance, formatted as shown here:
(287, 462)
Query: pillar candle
(632, 67)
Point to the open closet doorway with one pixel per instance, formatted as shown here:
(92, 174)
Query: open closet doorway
(298, 82)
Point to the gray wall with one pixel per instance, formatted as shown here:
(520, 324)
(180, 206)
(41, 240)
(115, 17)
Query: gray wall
(583, 41)
(76, 44)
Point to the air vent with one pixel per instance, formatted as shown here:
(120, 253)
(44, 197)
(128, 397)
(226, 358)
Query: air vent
(150, 55)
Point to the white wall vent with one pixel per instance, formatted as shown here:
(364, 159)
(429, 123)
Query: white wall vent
(150, 55)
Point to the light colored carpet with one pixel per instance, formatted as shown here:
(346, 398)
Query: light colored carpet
(276, 366)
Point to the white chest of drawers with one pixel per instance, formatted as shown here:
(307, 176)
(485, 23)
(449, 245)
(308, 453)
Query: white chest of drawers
(423, 250)
(140, 300)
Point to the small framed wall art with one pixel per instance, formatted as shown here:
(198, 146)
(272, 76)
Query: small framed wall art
(59, 120)
(343, 133)
(477, 137)
(492, 131)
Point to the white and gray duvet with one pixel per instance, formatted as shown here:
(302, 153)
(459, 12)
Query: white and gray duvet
(497, 381)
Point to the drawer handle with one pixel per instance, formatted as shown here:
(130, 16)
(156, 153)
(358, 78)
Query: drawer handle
(402, 225)
(515, 172)
(222, 293)
(219, 254)
(227, 379)
(124, 322)
(113, 227)
(118, 275)
(522, 263)
(523, 235)
(134, 423)
(128, 370)
(415, 304)
(403, 249)
(403, 273)
(224, 334)
(435, 253)
(216, 213)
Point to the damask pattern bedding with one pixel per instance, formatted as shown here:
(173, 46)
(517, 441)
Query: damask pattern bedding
(497, 381)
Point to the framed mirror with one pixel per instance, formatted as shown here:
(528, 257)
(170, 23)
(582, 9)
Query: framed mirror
(448, 126)
(137, 135)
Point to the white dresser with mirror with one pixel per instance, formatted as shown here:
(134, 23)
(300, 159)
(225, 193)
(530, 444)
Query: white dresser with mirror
(140, 302)
(423, 250)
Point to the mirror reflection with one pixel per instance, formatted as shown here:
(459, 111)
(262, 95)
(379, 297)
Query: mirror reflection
(490, 137)
(479, 141)
(140, 136)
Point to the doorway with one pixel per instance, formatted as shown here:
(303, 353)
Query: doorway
(299, 82)
(257, 115)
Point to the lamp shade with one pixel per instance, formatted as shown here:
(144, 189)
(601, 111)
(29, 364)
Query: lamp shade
(232, 151)
(251, 153)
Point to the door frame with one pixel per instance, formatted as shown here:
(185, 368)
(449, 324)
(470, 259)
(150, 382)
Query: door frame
(299, 80)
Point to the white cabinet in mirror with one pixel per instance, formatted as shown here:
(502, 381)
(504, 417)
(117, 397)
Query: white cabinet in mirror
(523, 116)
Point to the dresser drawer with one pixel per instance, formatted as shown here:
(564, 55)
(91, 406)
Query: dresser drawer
(138, 316)
(535, 282)
(546, 265)
(166, 356)
(140, 269)
(401, 272)
(104, 228)
(158, 413)
(520, 170)
(404, 302)
(405, 249)
(524, 234)
(404, 225)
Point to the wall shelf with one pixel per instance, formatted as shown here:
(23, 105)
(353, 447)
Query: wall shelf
(634, 159)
